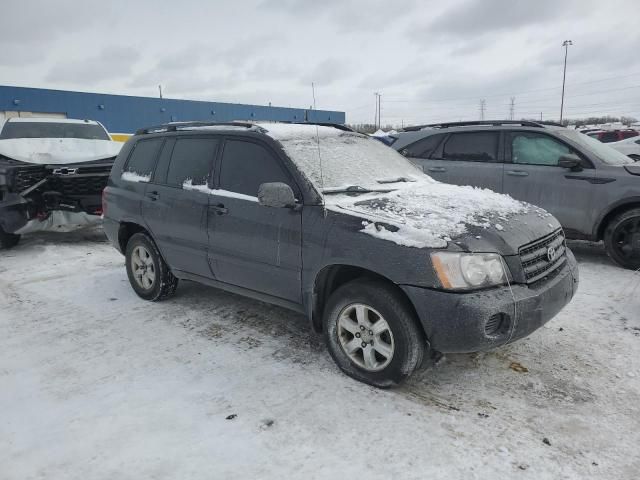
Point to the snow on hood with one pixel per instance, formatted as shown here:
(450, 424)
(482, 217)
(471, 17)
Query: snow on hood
(59, 151)
(426, 214)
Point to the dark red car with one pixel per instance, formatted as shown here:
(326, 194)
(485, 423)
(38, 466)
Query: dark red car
(607, 136)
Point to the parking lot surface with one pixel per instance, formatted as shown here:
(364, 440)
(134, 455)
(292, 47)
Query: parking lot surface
(97, 383)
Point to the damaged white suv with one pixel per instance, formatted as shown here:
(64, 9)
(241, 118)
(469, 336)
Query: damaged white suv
(52, 173)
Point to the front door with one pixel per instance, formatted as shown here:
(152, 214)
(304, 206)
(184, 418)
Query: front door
(252, 246)
(176, 203)
(535, 177)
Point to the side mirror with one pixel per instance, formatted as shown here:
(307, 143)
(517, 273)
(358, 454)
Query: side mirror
(404, 152)
(570, 161)
(277, 195)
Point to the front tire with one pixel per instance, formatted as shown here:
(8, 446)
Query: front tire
(148, 273)
(8, 240)
(372, 334)
(622, 239)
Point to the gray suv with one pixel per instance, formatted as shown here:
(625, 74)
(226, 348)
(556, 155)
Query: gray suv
(386, 262)
(591, 188)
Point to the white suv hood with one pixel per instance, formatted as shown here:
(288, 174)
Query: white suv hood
(44, 151)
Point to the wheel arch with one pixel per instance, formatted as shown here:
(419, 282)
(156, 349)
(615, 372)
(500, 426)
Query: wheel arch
(331, 277)
(613, 211)
(126, 230)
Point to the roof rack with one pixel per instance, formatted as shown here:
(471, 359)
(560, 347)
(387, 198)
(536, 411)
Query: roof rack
(175, 126)
(523, 123)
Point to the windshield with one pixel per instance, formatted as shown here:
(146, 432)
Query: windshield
(604, 152)
(87, 131)
(350, 160)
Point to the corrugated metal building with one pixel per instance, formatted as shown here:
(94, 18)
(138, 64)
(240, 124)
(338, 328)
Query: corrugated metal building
(125, 114)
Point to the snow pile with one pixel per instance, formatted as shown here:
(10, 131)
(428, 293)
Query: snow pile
(427, 214)
(135, 177)
(382, 133)
(347, 158)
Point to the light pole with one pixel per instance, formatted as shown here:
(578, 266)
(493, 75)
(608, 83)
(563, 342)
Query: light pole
(565, 44)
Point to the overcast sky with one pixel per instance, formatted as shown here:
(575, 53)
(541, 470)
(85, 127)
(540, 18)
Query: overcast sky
(431, 60)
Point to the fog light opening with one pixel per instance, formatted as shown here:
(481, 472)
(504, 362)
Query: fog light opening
(497, 325)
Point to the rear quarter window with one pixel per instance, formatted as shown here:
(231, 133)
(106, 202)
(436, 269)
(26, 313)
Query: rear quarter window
(142, 160)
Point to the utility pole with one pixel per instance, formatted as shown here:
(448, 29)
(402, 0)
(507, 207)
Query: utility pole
(565, 44)
(379, 110)
(483, 104)
(160, 89)
(375, 116)
(540, 116)
(512, 106)
(313, 92)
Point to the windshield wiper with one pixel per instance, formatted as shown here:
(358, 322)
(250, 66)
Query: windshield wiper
(355, 189)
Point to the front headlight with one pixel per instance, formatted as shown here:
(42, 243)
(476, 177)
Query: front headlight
(467, 271)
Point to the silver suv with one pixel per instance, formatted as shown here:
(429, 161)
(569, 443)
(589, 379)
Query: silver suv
(591, 188)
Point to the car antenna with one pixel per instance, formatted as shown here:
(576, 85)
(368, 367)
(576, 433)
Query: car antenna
(313, 93)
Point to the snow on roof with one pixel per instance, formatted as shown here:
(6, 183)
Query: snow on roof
(287, 131)
(50, 120)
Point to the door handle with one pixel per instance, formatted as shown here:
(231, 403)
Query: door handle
(517, 173)
(219, 209)
(437, 169)
(153, 196)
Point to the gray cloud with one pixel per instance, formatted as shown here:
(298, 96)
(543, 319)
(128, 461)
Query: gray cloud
(431, 60)
(111, 63)
(477, 17)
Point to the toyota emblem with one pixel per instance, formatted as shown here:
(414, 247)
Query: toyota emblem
(551, 254)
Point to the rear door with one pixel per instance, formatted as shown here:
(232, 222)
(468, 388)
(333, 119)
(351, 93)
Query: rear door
(252, 246)
(471, 158)
(533, 175)
(176, 202)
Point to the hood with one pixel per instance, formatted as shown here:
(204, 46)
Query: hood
(436, 215)
(633, 169)
(44, 151)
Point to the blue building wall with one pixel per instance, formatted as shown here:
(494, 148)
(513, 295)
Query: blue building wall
(125, 114)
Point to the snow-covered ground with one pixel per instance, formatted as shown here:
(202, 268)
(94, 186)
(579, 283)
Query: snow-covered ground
(98, 384)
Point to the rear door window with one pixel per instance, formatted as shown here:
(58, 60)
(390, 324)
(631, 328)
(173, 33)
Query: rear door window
(471, 147)
(142, 160)
(247, 165)
(191, 161)
(536, 149)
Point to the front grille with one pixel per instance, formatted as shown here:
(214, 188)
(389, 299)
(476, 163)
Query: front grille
(544, 257)
(26, 177)
(77, 185)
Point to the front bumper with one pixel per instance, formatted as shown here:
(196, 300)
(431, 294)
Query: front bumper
(459, 322)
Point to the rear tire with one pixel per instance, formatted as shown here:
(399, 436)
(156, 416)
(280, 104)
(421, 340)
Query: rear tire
(620, 238)
(148, 273)
(8, 240)
(366, 312)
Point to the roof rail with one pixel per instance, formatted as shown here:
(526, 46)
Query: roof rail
(175, 126)
(523, 123)
(339, 126)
